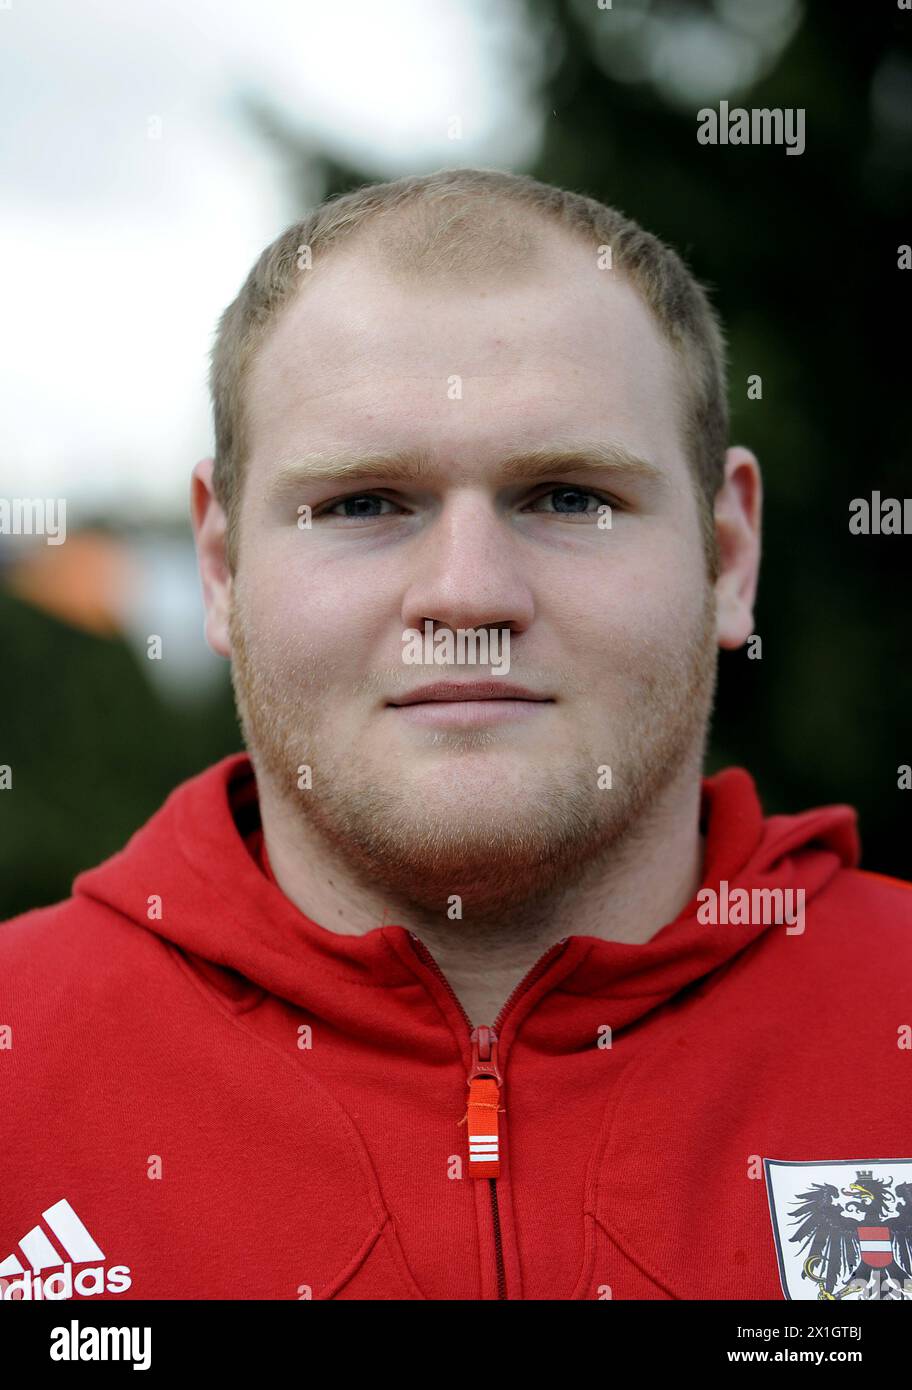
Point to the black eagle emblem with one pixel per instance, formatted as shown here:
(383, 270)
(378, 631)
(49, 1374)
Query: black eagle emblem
(861, 1246)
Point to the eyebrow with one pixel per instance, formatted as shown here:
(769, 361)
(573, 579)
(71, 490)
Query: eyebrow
(409, 466)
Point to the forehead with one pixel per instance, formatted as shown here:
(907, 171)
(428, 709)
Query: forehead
(370, 356)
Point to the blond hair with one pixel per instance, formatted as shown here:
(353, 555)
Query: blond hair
(463, 221)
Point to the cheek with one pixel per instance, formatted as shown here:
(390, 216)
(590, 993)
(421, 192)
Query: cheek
(309, 633)
(648, 617)
(324, 588)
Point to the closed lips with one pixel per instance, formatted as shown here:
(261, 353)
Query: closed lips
(479, 690)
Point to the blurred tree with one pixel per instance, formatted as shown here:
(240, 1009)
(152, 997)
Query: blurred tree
(93, 751)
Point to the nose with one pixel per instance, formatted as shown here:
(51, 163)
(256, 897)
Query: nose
(466, 570)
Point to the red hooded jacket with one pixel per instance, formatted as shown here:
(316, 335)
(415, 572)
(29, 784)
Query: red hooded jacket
(207, 1095)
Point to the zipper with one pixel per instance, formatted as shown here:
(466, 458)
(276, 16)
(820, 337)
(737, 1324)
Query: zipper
(498, 1243)
(485, 1083)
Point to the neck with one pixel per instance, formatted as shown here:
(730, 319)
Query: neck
(628, 896)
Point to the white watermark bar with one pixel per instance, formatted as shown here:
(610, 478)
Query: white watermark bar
(461, 646)
(34, 516)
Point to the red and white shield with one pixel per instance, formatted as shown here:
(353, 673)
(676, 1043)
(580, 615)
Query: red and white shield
(876, 1247)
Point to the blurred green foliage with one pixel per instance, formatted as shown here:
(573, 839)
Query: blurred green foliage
(94, 750)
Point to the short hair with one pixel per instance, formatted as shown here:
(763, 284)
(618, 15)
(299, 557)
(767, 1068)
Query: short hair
(462, 220)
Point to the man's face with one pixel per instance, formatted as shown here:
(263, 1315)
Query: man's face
(614, 627)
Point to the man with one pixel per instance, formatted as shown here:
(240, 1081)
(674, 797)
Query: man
(465, 985)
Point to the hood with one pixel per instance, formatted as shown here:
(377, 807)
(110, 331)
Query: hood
(191, 876)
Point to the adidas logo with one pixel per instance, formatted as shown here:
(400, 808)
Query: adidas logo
(17, 1282)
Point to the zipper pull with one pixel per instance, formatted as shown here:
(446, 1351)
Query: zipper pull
(484, 1085)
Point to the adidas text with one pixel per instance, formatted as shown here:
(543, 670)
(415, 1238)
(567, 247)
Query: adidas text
(63, 1284)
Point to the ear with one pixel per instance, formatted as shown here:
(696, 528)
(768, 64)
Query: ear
(210, 532)
(738, 510)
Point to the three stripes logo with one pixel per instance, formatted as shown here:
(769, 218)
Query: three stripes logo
(484, 1143)
(23, 1281)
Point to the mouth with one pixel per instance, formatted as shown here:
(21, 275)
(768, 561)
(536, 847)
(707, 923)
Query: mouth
(462, 703)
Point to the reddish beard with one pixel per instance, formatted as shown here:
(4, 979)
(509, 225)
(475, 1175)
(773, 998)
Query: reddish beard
(380, 829)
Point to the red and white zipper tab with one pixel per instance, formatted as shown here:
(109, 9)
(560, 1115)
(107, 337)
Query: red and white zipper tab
(485, 1082)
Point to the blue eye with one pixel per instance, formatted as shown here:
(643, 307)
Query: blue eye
(573, 501)
(363, 504)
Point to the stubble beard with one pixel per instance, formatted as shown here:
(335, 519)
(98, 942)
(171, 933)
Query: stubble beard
(495, 857)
